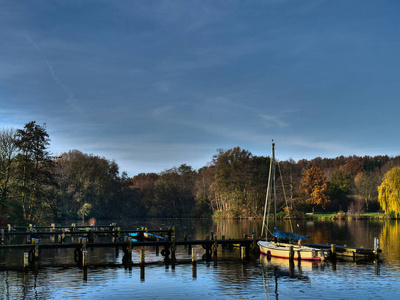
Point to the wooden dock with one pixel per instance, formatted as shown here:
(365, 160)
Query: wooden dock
(162, 241)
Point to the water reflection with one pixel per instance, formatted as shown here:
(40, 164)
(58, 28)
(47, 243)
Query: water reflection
(257, 278)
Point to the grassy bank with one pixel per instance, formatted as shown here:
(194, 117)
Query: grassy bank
(346, 216)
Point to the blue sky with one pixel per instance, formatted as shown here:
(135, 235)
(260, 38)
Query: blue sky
(154, 84)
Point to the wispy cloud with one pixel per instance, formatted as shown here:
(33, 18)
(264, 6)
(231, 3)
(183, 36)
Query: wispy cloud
(74, 104)
(273, 121)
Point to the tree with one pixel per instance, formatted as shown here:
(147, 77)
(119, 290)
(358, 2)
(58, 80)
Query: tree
(233, 180)
(366, 186)
(35, 171)
(315, 188)
(389, 192)
(339, 188)
(88, 179)
(8, 152)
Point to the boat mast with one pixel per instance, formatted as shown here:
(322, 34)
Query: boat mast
(267, 206)
(273, 181)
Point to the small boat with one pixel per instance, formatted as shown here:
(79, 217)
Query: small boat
(285, 250)
(275, 248)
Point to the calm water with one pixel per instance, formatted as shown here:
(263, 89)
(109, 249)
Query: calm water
(229, 278)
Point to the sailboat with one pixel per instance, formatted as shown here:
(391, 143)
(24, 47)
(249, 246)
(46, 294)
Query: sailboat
(275, 248)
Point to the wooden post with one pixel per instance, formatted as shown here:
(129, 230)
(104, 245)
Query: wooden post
(173, 249)
(194, 255)
(26, 260)
(194, 262)
(142, 273)
(376, 245)
(299, 256)
(142, 256)
(243, 253)
(333, 251)
(118, 234)
(291, 253)
(84, 240)
(84, 259)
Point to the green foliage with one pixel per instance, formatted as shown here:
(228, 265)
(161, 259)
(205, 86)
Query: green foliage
(339, 189)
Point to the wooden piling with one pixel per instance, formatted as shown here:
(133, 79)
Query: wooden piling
(194, 263)
(299, 256)
(173, 249)
(84, 259)
(333, 251)
(26, 260)
(243, 253)
(142, 256)
(291, 253)
(376, 246)
(142, 273)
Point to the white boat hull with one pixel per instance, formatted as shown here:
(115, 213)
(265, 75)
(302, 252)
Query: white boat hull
(282, 250)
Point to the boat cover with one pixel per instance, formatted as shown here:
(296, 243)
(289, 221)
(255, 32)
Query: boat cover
(289, 235)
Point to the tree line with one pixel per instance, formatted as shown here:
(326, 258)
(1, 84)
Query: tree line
(35, 186)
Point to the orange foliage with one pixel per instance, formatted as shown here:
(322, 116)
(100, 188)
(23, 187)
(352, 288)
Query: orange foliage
(315, 187)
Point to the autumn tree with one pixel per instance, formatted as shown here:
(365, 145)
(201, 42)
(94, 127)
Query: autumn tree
(315, 188)
(389, 192)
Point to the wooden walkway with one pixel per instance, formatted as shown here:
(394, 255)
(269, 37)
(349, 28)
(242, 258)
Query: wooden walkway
(162, 241)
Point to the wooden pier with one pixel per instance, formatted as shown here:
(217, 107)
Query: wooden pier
(162, 241)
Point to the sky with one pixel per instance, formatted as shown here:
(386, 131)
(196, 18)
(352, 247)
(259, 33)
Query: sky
(156, 84)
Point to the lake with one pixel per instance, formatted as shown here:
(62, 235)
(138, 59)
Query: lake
(228, 278)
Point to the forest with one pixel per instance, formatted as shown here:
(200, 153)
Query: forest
(36, 186)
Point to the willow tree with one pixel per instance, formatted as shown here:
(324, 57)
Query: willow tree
(389, 192)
